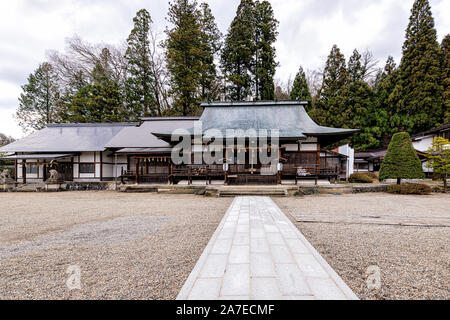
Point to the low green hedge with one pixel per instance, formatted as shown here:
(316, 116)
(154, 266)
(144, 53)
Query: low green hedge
(360, 177)
(409, 188)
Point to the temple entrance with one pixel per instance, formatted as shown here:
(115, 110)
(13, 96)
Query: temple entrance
(252, 171)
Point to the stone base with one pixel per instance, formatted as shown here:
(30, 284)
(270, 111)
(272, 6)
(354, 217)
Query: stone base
(53, 187)
(9, 186)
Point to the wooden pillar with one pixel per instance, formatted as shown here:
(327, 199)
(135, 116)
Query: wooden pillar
(318, 161)
(24, 171)
(137, 170)
(169, 170)
(15, 170)
(101, 166)
(44, 171)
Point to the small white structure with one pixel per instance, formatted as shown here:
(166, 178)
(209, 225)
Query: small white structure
(350, 153)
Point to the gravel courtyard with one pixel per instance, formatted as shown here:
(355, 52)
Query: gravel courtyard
(407, 237)
(128, 246)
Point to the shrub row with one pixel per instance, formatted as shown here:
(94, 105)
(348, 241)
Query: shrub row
(409, 188)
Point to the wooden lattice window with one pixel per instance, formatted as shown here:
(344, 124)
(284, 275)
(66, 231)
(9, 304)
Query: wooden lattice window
(87, 167)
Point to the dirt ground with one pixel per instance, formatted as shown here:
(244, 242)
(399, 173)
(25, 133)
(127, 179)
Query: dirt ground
(126, 246)
(406, 237)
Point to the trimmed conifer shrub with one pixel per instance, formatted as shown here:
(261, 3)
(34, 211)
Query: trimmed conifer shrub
(401, 160)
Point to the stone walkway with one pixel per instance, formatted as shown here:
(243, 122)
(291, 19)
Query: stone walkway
(257, 253)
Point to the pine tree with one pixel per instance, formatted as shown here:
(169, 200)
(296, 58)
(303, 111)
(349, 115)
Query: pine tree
(359, 110)
(38, 102)
(237, 58)
(401, 160)
(331, 101)
(266, 34)
(445, 46)
(300, 89)
(420, 89)
(185, 55)
(211, 43)
(98, 101)
(139, 85)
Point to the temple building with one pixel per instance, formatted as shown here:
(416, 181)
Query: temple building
(236, 135)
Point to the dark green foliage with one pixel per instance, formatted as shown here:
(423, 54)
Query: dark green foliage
(360, 177)
(139, 86)
(98, 101)
(445, 46)
(211, 43)
(300, 90)
(420, 105)
(237, 58)
(401, 160)
(386, 98)
(38, 102)
(266, 34)
(359, 111)
(410, 188)
(185, 55)
(333, 93)
(248, 57)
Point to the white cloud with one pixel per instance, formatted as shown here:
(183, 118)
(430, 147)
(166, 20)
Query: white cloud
(308, 29)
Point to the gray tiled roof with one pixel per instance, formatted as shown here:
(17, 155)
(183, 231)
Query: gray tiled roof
(68, 138)
(142, 137)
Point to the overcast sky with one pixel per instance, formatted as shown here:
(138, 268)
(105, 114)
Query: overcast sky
(308, 29)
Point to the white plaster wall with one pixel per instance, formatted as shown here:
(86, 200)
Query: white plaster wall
(87, 157)
(290, 147)
(423, 144)
(308, 147)
(350, 153)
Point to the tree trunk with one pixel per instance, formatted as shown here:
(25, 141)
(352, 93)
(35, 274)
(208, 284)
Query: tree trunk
(445, 182)
(399, 181)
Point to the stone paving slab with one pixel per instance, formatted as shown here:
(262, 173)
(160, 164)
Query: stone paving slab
(257, 253)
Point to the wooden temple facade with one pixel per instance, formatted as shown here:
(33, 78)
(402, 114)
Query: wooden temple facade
(142, 153)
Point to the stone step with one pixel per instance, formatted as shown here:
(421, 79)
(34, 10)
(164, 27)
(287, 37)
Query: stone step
(264, 192)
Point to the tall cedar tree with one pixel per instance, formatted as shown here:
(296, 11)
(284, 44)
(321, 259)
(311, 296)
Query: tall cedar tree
(386, 97)
(445, 46)
(331, 103)
(420, 90)
(39, 100)
(184, 55)
(140, 96)
(300, 89)
(266, 34)
(211, 44)
(359, 110)
(237, 58)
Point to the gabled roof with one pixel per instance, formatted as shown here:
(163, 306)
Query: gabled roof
(289, 117)
(379, 154)
(142, 137)
(445, 127)
(68, 138)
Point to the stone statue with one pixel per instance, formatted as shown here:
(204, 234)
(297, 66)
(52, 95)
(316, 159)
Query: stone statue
(5, 177)
(55, 177)
(6, 174)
